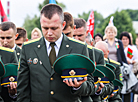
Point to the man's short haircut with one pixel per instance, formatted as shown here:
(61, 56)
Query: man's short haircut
(126, 34)
(22, 33)
(4, 26)
(102, 44)
(69, 20)
(50, 9)
(79, 22)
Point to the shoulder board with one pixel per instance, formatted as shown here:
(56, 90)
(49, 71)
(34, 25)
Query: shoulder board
(91, 47)
(78, 41)
(6, 49)
(31, 41)
(106, 59)
(113, 61)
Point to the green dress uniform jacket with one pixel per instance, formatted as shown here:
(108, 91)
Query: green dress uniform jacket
(18, 51)
(37, 81)
(7, 56)
(116, 97)
(97, 56)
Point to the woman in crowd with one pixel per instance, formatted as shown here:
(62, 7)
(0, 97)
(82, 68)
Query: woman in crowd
(116, 50)
(130, 51)
(36, 33)
(98, 37)
(132, 59)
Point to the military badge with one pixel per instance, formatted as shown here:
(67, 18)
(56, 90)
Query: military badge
(35, 60)
(29, 61)
(72, 72)
(11, 79)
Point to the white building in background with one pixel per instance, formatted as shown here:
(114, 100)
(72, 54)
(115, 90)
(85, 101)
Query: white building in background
(135, 26)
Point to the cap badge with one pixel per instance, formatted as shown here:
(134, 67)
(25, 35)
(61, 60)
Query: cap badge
(11, 79)
(72, 72)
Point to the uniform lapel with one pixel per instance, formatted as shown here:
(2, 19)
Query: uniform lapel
(42, 54)
(65, 48)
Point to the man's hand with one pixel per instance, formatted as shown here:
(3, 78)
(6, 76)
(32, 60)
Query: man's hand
(12, 88)
(111, 95)
(76, 83)
(100, 87)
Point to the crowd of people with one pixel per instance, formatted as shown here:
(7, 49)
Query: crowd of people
(36, 80)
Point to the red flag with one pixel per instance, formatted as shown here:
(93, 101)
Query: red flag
(90, 23)
(2, 13)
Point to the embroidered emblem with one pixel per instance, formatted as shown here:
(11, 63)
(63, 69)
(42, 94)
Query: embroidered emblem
(29, 61)
(11, 79)
(72, 72)
(35, 60)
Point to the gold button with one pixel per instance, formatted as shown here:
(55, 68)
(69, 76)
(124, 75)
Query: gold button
(51, 78)
(52, 92)
(52, 66)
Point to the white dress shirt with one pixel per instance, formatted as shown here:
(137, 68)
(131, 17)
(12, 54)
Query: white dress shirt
(57, 46)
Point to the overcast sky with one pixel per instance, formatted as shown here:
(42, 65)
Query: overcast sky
(19, 9)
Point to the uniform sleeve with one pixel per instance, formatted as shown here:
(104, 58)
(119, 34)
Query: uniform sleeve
(87, 87)
(107, 89)
(101, 58)
(23, 79)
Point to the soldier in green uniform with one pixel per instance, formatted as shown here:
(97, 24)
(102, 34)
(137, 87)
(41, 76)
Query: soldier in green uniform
(96, 55)
(22, 37)
(104, 47)
(8, 35)
(7, 56)
(37, 81)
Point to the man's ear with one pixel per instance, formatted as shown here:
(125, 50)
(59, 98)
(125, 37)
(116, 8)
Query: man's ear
(26, 40)
(87, 32)
(63, 25)
(16, 36)
(74, 27)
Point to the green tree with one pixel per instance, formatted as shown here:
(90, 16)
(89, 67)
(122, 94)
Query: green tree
(31, 23)
(122, 21)
(133, 14)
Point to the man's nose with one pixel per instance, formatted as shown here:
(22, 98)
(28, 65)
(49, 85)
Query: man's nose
(5, 41)
(76, 37)
(49, 31)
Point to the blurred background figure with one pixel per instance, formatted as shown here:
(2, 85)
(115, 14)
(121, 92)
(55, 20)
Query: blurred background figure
(132, 59)
(130, 51)
(89, 40)
(22, 37)
(36, 33)
(115, 46)
(136, 43)
(69, 27)
(98, 37)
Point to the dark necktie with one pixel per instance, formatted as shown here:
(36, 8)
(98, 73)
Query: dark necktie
(52, 55)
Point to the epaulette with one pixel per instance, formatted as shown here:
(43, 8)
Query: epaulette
(31, 41)
(78, 41)
(113, 61)
(6, 49)
(91, 47)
